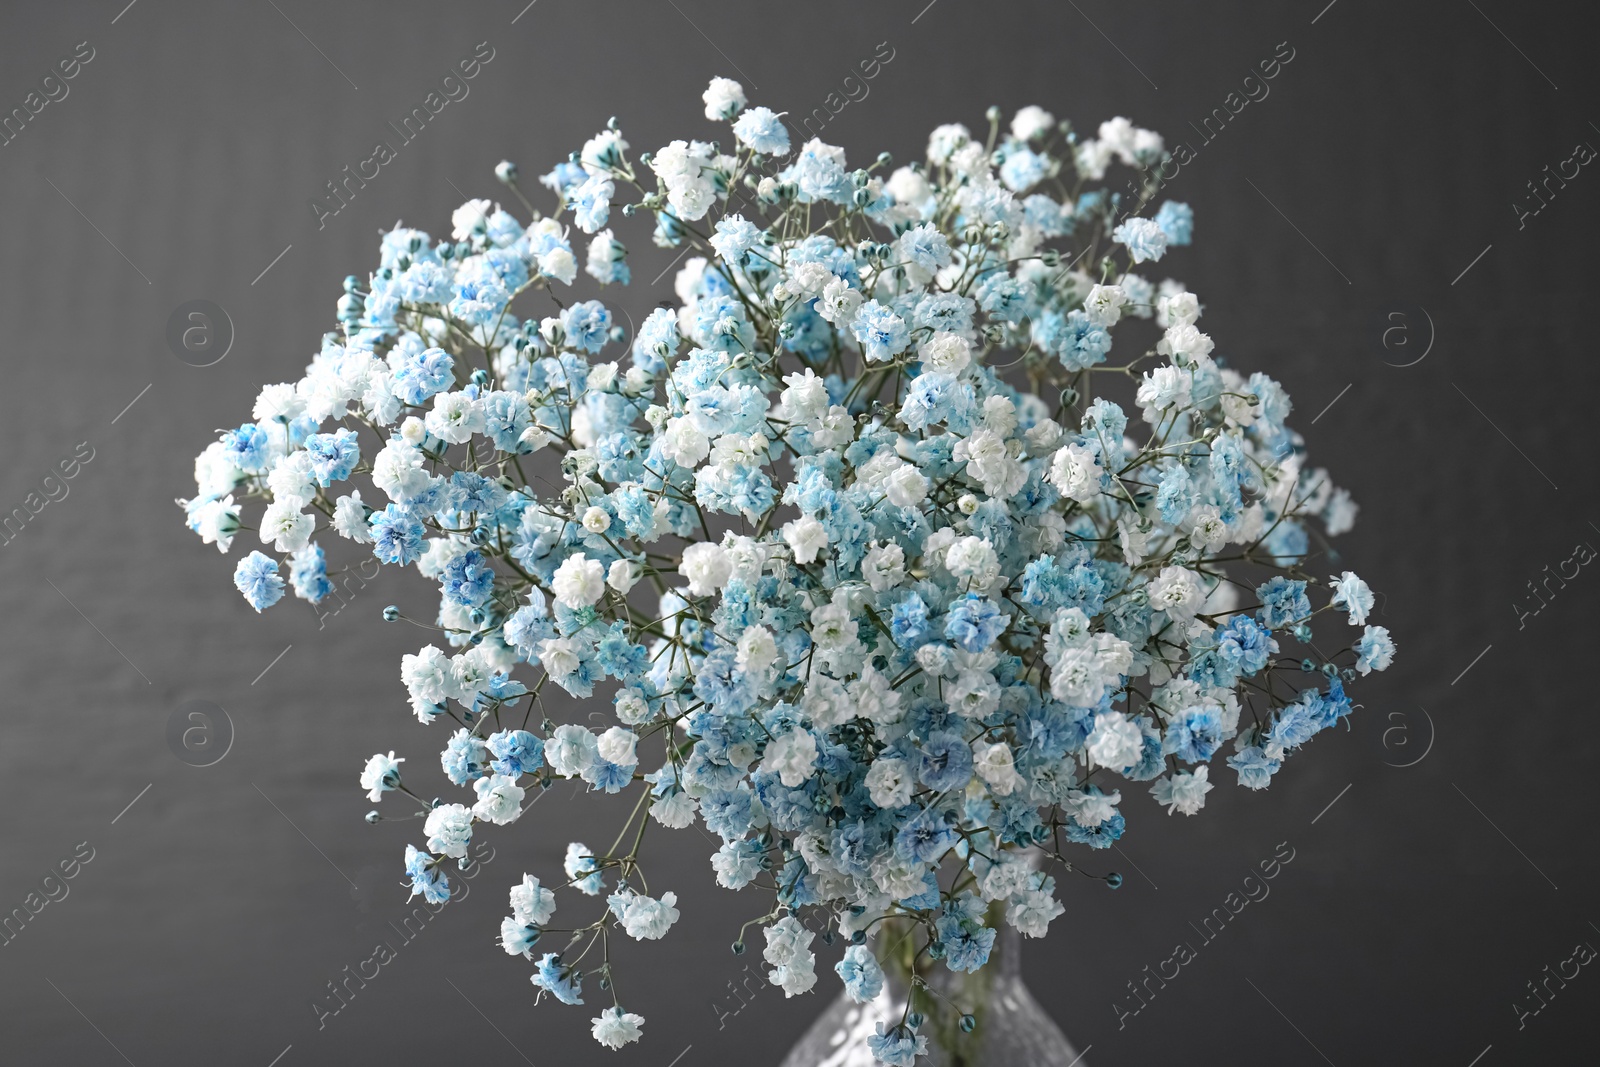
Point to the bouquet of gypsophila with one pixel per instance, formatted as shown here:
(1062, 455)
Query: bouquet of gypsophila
(879, 589)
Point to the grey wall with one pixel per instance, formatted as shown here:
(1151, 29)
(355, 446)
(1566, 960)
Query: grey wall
(1385, 160)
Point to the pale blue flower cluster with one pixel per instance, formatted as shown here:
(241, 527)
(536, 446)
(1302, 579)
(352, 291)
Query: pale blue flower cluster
(884, 570)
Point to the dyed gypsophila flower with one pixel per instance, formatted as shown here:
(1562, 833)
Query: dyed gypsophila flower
(859, 572)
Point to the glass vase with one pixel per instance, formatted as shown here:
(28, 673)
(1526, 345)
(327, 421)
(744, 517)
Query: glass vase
(1010, 1030)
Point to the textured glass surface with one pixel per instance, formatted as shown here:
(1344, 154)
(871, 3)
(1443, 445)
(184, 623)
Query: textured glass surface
(1012, 1029)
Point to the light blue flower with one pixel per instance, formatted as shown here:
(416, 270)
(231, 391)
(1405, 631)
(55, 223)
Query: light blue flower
(308, 570)
(1177, 222)
(422, 374)
(1255, 768)
(333, 455)
(586, 323)
(1283, 602)
(516, 752)
(560, 981)
(247, 448)
(896, 1045)
(862, 977)
(396, 535)
(762, 130)
(427, 880)
(1144, 239)
(1375, 650)
(1351, 593)
(591, 202)
(257, 578)
(735, 236)
(881, 333)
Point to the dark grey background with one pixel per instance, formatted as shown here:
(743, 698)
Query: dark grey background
(183, 158)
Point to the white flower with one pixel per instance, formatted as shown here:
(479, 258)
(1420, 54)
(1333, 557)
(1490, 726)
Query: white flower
(889, 783)
(375, 777)
(426, 675)
(618, 746)
(397, 471)
(216, 521)
(973, 694)
(285, 527)
(454, 418)
(531, 903)
(559, 263)
(806, 537)
(1177, 591)
(631, 706)
(350, 518)
(623, 575)
(839, 303)
(724, 98)
(683, 443)
(792, 755)
(644, 918)
(908, 186)
(973, 558)
(499, 799)
(906, 487)
(1103, 305)
(571, 750)
(757, 650)
(614, 1027)
(707, 567)
(946, 353)
(449, 829)
(596, 519)
(1091, 809)
(558, 657)
(1030, 122)
(1186, 346)
(579, 581)
(884, 567)
(788, 950)
(873, 698)
(1165, 388)
(468, 218)
(1206, 528)
(1115, 742)
(1183, 792)
(1075, 470)
(1030, 912)
(674, 811)
(993, 763)
(805, 396)
(993, 461)
(944, 140)
(1177, 309)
